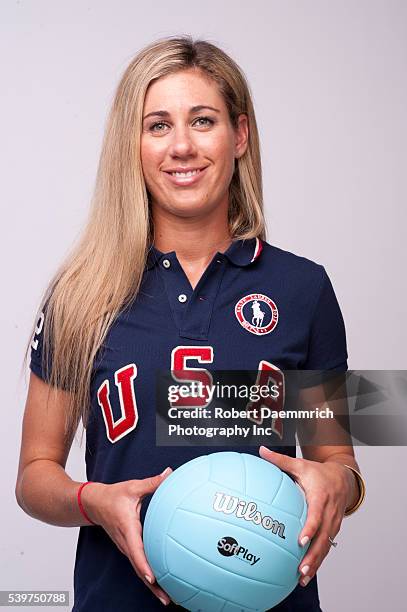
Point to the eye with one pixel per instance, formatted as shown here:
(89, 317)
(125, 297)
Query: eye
(205, 121)
(158, 127)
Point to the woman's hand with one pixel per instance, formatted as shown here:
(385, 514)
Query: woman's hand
(116, 508)
(328, 488)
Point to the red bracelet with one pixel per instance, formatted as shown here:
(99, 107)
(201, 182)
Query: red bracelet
(81, 508)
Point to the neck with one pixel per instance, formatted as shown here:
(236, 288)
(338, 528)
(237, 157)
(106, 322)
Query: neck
(195, 240)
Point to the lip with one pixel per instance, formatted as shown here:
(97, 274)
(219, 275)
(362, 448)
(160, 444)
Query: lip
(185, 181)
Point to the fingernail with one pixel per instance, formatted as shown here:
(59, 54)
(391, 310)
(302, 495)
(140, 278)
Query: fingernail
(164, 473)
(304, 541)
(304, 570)
(164, 603)
(149, 579)
(265, 448)
(305, 580)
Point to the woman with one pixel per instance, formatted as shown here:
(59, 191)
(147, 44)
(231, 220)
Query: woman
(175, 239)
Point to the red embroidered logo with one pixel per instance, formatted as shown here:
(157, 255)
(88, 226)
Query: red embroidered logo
(257, 313)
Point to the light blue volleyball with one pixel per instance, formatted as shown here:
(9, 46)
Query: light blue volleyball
(221, 533)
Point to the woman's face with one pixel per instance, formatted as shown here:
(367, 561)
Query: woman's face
(188, 145)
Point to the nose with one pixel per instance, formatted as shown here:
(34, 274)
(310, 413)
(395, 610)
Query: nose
(182, 143)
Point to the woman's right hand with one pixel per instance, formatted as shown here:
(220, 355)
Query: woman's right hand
(116, 508)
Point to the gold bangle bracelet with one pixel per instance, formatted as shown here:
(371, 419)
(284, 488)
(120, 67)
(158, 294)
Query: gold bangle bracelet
(362, 491)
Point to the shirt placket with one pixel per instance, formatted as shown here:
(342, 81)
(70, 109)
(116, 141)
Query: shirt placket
(192, 308)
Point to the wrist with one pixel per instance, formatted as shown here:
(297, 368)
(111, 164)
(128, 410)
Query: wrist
(357, 487)
(354, 491)
(352, 486)
(361, 488)
(89, 498)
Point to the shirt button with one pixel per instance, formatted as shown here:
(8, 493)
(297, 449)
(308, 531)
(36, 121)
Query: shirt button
(166, 263)
(182, 298)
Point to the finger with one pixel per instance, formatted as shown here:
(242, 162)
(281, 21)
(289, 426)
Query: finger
(286, 463)
(140, 564)
(143, 570)
(320, 545)
(149, 485)
(158, 592)
(315, 555)
(315, 515)
(128, 543)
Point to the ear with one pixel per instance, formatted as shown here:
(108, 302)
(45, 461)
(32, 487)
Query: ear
(242, 135)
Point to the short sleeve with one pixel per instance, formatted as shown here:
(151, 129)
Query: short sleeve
(327, 339)
(37, 364)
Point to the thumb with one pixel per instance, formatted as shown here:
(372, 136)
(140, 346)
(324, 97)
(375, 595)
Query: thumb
(153, 482)
(284, 462)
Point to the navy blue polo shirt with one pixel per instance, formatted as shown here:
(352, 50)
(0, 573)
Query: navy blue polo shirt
(254, 304)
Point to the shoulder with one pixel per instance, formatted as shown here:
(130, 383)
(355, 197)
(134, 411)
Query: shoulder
(293, 266)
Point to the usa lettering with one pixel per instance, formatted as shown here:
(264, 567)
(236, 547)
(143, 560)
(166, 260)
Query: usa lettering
(124, 390)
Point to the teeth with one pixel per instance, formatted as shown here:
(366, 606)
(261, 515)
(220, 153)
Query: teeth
(185, 174)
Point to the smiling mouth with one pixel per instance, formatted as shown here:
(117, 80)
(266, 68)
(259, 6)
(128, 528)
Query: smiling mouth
(189, 173)
(187, 177)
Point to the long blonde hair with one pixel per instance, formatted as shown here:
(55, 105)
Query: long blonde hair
(102, 273)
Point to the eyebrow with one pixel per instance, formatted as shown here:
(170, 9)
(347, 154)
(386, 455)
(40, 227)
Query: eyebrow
(193, 109)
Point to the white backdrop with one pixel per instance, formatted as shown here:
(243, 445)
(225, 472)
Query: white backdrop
(329, 87)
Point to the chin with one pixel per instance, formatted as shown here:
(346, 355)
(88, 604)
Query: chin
(184, 205)
(186, 209)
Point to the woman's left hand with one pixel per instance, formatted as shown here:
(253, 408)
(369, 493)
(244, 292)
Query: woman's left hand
(328, 488)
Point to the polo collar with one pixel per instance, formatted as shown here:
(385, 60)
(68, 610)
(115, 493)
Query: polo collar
(240, 253)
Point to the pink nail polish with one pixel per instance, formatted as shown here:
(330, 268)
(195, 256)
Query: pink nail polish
(304, 541)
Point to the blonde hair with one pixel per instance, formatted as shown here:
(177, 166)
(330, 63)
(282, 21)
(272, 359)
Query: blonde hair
(102, 273)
